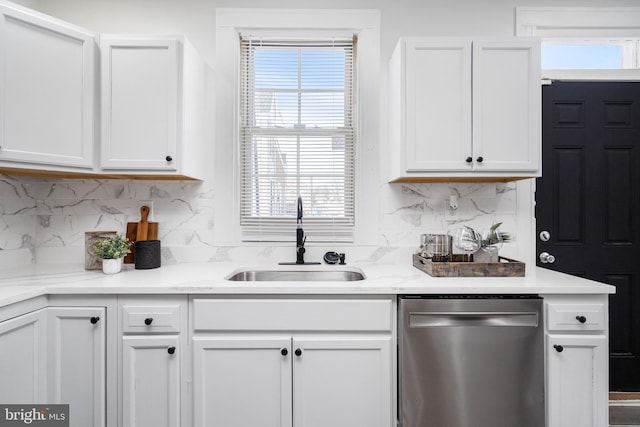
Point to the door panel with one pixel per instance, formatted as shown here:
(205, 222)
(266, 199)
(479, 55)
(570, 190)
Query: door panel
(574, 382)
(47, 74)
(150, 381)
(23, 359)
(77, 349)
(588, 199)
(341, 382)
(242, 382)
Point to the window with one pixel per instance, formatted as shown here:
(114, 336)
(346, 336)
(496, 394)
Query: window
(585, 54)
(585, 43)
(297, 137)
(234, 24)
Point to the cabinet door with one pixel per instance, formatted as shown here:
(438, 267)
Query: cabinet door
(47, 90)
(77, 363)
(139, 104)
(506, 105)
(242, 382)
(150, 381)
(342, 382)
(23, 358)
(577, 380)
(438, 105)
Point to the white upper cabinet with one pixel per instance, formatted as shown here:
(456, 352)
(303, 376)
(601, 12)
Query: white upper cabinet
(437, 108)
(464, 109)
(506, 106)
(152, 102)
(151, 107)
(47, 92)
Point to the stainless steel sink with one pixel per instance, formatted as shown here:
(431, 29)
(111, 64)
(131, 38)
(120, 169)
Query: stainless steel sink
(296, 275)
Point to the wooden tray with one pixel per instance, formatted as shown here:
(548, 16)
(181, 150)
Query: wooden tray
(505, 268)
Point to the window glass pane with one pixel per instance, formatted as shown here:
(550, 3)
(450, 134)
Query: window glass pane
(581, 56)
(275, 68)
(276, 109)
(323, 109)
(323, 69)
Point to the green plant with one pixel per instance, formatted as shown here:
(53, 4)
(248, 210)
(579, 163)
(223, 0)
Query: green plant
(493, 236)
(112, 248)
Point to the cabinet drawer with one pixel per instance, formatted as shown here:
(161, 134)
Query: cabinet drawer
(150, 318)
(291, 315)
(575, 317)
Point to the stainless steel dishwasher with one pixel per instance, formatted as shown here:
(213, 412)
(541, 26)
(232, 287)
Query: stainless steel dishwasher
(471, 361)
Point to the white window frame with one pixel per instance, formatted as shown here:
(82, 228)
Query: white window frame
(581, 23)
(230, 23)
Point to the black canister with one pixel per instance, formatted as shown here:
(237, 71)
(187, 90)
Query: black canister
(147, 254)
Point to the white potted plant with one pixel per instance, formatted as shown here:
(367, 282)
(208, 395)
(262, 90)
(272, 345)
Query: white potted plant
(112, 250)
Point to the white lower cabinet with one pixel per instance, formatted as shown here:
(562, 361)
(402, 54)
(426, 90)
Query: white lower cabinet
(264, 380)
(77, 363)
(152, 352)
(57, 355)
(150, 381)
(341, 382)
(292, 362)
(23, 358)
(239, 361)
(577, 388)
(577, 361)
(242, 381)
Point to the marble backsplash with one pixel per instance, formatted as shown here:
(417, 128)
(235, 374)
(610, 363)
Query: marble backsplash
(44, 220)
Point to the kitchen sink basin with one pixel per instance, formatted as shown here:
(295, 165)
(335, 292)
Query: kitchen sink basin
(296, 275)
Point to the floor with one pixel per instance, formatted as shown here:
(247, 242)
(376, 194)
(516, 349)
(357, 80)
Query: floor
(624, 416)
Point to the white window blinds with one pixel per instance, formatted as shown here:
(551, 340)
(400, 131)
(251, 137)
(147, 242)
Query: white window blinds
(297, 137)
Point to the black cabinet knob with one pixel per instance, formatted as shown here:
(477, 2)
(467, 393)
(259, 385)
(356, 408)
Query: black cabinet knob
(558, 348)
(298, 352)
(469, 159)
(171, 350)
(148, 321)
(284, 352)
(94, 320)
(480, 159)
(168, 158)
(581, 319)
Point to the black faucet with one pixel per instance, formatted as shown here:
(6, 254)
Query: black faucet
(300, 239)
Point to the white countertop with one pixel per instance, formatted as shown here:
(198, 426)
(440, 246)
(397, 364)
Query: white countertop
(209, 278)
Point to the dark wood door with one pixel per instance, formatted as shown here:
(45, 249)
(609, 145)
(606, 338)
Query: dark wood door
(588, 199)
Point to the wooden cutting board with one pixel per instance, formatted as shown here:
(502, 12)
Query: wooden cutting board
(141, 230)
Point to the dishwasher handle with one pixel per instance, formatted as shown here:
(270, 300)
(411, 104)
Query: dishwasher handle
(473, 318)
